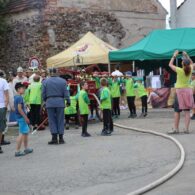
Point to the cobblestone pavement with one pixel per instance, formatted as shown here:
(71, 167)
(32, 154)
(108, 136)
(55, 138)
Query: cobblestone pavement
(99, 165)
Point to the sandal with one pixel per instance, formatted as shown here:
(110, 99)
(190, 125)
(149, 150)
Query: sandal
(186, 131)
(173, 131)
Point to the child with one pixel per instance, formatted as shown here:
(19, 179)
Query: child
(143, 95)
(115, 91)
(35, 101)
(193, 87)
(84, 108)
(71, 110)
(22, 120)
(106, 106)
(130, 93)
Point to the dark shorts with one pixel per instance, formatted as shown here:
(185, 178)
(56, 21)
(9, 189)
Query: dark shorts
(2, 119)
(176, 105)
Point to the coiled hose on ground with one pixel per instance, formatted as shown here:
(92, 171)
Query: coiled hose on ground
(169, 175)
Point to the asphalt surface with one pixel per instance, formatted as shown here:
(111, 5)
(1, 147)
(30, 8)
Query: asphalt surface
(99, 165)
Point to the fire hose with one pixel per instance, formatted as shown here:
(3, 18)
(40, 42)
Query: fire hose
(169, 175)
(166, 177)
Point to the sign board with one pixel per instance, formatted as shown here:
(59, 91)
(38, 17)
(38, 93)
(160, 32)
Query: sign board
(34, 62)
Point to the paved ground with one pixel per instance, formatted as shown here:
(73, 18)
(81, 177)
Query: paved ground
(113, 165)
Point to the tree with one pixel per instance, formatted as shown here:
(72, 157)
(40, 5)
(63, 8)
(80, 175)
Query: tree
(3, 4)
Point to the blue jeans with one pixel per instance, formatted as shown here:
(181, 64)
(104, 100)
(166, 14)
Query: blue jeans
(56, 120)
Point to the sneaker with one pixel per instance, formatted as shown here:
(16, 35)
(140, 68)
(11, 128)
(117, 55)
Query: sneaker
(28, 151)
(186, 131)
(1, 151)
(141, 115)
(34, 128)
(173, 131)
(145, 114)
(106, 133)
(19, 154)
(76, 127)
(86, 135)
(130, 116)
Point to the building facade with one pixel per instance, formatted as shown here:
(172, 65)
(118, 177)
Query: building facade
(185, 16)
(42, 28)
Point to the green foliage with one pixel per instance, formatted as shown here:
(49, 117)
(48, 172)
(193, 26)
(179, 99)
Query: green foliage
(3, 25)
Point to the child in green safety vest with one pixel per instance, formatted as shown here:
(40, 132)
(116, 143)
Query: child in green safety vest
(142, 94)
(116, 94)
(84, 107)
(35, 101)
(71, 110)
(130, 93)
(106, 106)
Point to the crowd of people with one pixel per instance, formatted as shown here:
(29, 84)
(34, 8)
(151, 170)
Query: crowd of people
(22, 97)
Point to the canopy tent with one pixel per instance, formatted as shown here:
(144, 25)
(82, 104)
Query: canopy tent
(158, 45)
(88, 50)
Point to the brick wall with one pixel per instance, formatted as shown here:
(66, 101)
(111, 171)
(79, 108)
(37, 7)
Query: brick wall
(48, 27)
(49, 31)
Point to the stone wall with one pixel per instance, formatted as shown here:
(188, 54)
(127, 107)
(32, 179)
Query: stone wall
(49, 31)
(52, 28)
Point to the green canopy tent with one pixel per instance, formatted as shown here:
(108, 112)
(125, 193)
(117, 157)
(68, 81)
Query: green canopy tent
(158, 45)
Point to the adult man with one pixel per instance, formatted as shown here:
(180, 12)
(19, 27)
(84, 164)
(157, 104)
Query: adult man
(117, 73)
(4, 100)
(19, 78)
(54, 93)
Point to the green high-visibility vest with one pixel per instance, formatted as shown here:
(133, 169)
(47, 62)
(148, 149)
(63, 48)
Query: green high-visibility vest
(115, 89)
(72, 109)
(35, 96)
(140, 89)
(83, 102)
(105, 98)
(129, 85)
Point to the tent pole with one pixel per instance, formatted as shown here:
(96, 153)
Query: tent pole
(109, 67)
(133, 66)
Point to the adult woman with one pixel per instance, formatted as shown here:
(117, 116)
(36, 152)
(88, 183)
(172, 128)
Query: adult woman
(184, 94)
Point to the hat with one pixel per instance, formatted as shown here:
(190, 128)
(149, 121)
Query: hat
(19, 85)
(26, 84)
(128, 73)
(20, 69)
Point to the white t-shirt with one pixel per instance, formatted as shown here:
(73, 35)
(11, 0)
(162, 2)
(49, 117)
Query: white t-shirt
(3, 87)
(117, 73)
